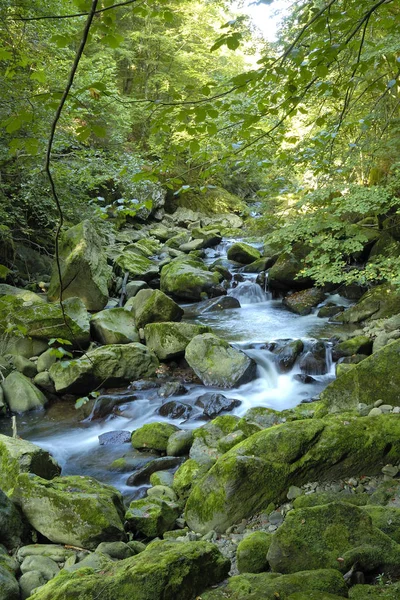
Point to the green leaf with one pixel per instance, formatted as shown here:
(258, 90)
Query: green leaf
(5, 54)
(39, 76)
(113, 41)
(81, 401)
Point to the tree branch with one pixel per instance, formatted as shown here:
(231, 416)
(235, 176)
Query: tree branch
(75, 15)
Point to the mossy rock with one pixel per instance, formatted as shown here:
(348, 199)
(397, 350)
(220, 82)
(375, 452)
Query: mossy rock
(243, 253)
(360, 344)
(153, 306)
(285, 273)
(380, 302)
(73, 510)
(188, 279)
(152, 516)
(45, 321)
(270, 586)
(385, 247)
(12, 528)
(169, 340)
(316, 537)
(85, 273)
(187, 476)
(21, 293)
(179, 443)
(257, 418)
(134, 261)
(114, 326)
(261, 469)
(114, 365)
(387, 519)
(20, 456)
(251, 554)
(320, 498)
(153, 436)
(370, 380)
(9, 588)
(21, 394)
(217, 363)
(375, 592)
(386, 494)
(304, 301)
(164, 571)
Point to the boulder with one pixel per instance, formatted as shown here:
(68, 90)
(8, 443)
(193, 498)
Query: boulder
(12, 528)
(133, 287)
(261, 469)
(360, 344)
(9, 588)
(286, 353)
(315, 537)
(152, 516)
(304, 301)
(45, 321)
(74, 510)
(217, 363)
(285, 273)
(21, 395)
(114, 326)
(212, 305)
(22, 294)
(243, 253)
(380, 302)
(134, 261)
(169, 340)
(380, 591)
(153, 306)
(189, 279)
(20, 456)
(372, 379)
(163, 571)
(179, 443)
(112, 366)
(251, 554)
(213, 404)
(153, 436)
(315, 585)
(85, 273)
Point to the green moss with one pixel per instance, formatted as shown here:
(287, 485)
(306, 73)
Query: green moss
(243, 253)
(152, 516)
(320, 498)
(360, 344)
(387, 519)
(169, 340)
(187, 476)
(258, 418)
(188, 278)
(153, 435)
(372, 592)
(380, 302)
(252, 551)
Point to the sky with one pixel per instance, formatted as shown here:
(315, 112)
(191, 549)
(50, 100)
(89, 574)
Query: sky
(267, 17)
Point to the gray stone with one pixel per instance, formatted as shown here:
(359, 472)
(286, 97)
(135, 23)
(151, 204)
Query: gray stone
(47, 567)
(133, 287)
(169, 340)
(30, 581)
(20, 393)
(114, 326)
(24, 366)
(46, 360)
(45, 382)
(117, 550)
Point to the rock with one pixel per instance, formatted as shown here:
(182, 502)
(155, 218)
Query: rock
(20, 456)
(114, 437)
(139, 266)
(9, 588)
(286, 354)
(84, 270)
(258, 418)
(304, 301)
(261, 469)
(389, 591)
(46, 360)
(360, 344)
(45, 382)
(163, 571)
(57, 553)
(12, 528)
(213, 404)
(133, 287)
(205, 448)
(153, 435)
(172, 388)
(169, 340)
(25, 295)
(316, 537)
(330, 310)
(316, 585)
(96, 561)
(213, 305)
(29, 582)
(252, 551)
(186, 477)
(20, 393)
(162, 491)
(142, 474)
(294, 492)
(217, 363)
(314, 361)
(114, 326)
(230, 440)
(23, 346)
(366, 382)
(113, 365)
(117, 550)
(179, 443)
(175, 410)
(153, 306)
(259, 266)
(80, 511)
(162, 478)
(385, 518)
(189, 279)
(243, 253)
(285, 273)
(45, 321)
(379, 302)
(24, 366)
(152, 516)
(47, 567)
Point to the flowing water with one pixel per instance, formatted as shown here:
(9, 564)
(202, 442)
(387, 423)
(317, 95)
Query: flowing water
(259, 321)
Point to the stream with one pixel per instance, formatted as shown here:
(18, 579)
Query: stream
(259, 320)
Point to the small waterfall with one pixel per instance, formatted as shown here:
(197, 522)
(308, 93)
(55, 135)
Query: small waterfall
(266, 369)
(248, 292)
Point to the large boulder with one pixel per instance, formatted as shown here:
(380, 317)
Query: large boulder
(243, 253)
(304, 301)
(261, 469)
(25, 295)
(152, 516)
(113, 365)
(20, 393)
(153, 436)
(189, 279)
(380, 302)
(153, 306)
(43, 321)
(285, 274)
(169, 340)
(134, 261)
(20, 456)
(164, 571)
(217, 363)
(84, 270)
(374, 378)
(315, 537)
(114, 326)
(74, 510)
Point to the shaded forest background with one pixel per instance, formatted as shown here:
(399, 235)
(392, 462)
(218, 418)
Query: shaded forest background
(187, 96)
